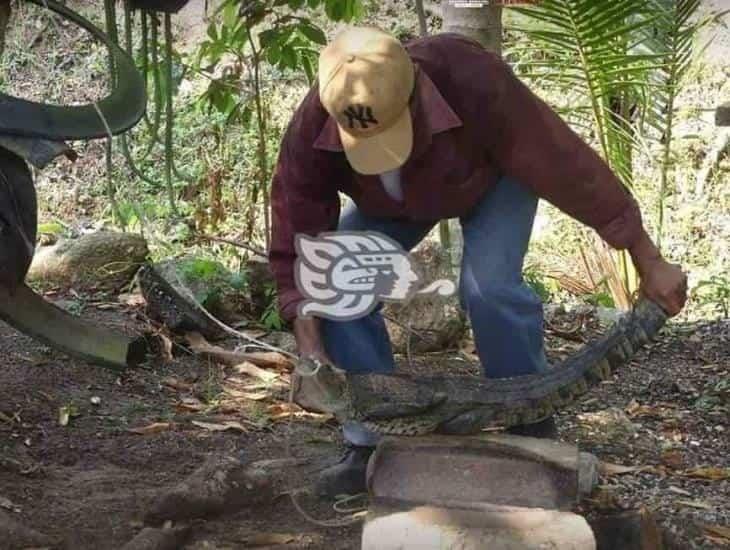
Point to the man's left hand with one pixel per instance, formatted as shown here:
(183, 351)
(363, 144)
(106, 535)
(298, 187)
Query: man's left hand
(663, 282)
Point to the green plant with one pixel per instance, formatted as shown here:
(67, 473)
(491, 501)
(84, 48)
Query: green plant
(714, 292)
(289, 43)
(534, 280)
(270, 318)
(619, 64)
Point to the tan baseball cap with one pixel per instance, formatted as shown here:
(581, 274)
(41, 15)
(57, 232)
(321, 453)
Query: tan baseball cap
(365, 82)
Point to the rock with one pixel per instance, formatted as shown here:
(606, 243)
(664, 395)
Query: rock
(172, 308)
(474, 528)
(150, 538)
(104, 260)
(722, 115)
(217, 289)
(439, 321)
(224, 484)
(16, 535)
(630, 530)
(499, 469)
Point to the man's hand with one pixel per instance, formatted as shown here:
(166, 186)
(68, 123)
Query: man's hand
(663, 282)
(309, 339)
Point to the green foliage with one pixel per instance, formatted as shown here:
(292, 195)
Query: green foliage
(270, 318)
(715, 293)
(52, 228)
(535, 281)
(289, 42)
(600, 298)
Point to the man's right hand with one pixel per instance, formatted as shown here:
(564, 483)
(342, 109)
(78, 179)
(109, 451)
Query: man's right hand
(308, 333)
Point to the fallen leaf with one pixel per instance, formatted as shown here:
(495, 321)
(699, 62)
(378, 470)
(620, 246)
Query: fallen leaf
(609, 469)
(715, 474)
(677, 490)
(165, 348)
(153, 428)
(190, 404)
(176, 384)
(252, 370)
(696, 504)
(133, 300)
(673, 458)
(716, 530)
(229, 425)
(253, 396)
(65, 413)
(9, 505)
(269, 539)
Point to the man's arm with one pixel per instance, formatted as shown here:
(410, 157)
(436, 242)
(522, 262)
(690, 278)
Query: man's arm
(531, 143)
(304, 199)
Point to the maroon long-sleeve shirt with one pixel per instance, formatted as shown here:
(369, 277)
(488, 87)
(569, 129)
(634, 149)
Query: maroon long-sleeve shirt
(473, 121)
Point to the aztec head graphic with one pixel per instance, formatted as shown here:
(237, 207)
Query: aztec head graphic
(344, 275)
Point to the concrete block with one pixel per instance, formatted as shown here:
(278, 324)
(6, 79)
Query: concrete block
(498, 469)
(475, 527)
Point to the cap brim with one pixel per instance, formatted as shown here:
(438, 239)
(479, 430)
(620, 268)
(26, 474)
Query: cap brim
(387, 150)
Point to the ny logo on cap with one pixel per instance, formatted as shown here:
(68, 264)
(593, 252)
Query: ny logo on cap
(360, 113)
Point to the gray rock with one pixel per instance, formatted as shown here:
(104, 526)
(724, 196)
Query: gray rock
(430, 322)
(104, 260)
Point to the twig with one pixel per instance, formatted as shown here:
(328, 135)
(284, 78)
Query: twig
(253, 249)
(410, 330)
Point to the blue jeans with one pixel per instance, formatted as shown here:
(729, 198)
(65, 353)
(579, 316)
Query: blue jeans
(506, 314)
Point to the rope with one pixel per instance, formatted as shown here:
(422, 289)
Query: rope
(330, 523)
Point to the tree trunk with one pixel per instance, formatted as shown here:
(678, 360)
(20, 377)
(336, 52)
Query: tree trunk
(484, 25)
(481, 24)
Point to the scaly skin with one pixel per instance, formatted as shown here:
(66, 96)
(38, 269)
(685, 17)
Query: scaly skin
(400, 404)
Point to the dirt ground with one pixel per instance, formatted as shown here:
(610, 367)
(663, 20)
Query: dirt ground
(88, 484)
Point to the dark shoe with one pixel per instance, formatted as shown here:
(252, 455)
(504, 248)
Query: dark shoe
(545, 429)
(347, 477)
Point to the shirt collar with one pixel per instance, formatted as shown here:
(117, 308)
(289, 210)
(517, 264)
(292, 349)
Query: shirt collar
(430, 112)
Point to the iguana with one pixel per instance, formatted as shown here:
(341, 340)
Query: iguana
(401, 404)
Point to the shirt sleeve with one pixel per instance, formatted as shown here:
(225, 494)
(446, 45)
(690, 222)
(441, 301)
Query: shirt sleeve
(304, 199)
(528, 141)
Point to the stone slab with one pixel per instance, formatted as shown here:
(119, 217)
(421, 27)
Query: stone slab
(474, 528)
(499, 469)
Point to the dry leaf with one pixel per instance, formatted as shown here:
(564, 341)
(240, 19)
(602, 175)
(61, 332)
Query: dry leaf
(155, 427)
(673, 458)
(165, 348)
(609, 469)
(696, 504)
(133, 300)
(9, 505)
(269, 539)
(176, 384)
(252, 370)
(190, 404)
(715, 474)
(677, 490)
(65, 413)
(229, 425)
(253, 396)
(716, 530)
